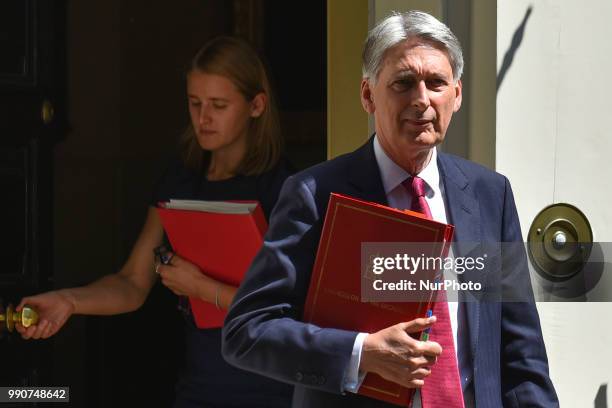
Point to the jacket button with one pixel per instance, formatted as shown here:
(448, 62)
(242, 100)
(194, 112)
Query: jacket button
(299, 376)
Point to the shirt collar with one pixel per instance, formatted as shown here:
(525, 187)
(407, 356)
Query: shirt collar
(393, 175)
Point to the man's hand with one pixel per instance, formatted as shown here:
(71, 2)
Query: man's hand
(396, 356)
(54, 308)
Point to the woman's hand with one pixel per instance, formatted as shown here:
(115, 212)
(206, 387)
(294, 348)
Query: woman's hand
(53, 308)
(185, 279)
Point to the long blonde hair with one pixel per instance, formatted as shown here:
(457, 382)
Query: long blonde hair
(235, 60)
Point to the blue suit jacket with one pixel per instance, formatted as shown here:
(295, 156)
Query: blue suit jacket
(263, 332)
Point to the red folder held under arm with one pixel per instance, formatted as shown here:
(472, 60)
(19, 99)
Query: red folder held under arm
(221, 244)
(334, 296)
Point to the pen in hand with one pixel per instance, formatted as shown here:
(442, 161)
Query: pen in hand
(425, 335)
(163, 254)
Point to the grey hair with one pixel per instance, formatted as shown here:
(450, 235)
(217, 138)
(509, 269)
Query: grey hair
(402, 26)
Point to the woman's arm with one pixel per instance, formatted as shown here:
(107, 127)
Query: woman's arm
(120, 292)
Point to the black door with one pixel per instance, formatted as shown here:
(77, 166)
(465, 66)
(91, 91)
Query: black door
(31, 121)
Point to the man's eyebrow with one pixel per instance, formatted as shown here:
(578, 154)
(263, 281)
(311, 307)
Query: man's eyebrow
(404, 74)
(409, 74)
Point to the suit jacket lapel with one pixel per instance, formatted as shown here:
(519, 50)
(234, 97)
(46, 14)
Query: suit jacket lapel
(463, 207)
(464, 214)
(364, 174)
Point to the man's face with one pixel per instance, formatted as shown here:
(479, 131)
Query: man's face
(413, 98)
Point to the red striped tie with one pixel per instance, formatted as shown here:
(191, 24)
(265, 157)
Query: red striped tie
(442, 388)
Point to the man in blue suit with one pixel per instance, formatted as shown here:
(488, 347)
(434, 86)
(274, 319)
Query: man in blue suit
(412, 66)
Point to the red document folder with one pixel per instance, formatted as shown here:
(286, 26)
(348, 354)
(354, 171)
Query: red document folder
(334, 296)
(221, 245)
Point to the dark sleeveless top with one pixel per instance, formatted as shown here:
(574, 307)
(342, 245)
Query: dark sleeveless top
(206, 380)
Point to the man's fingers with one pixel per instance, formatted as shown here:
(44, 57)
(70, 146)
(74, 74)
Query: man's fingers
(420, 374)
(416, 383)
(426, 349)
(422, 361)
(418, 325)
(430, 348)
(431, 359)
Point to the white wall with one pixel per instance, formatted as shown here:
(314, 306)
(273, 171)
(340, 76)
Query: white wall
(552, 143)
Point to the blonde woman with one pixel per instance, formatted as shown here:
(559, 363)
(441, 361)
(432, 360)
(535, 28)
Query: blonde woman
(231, 151)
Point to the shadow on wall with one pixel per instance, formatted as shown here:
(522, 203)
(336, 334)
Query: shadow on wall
(517, 39)
(601, 399)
